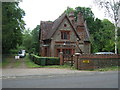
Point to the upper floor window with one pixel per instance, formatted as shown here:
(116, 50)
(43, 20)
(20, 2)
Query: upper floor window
(65, 25)
(65, 34)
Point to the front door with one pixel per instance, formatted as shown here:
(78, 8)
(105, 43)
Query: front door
(46, 51)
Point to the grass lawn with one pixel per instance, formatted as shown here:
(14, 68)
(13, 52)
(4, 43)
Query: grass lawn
(5, 61)
(30, 63)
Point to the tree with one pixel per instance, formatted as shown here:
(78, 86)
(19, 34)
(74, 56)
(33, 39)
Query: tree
(27, 40)
(111, 8)
(31, 40)
(35, 38)
(12, 25)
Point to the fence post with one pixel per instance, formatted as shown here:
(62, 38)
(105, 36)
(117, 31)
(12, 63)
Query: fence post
(76, 60)
(61, 58)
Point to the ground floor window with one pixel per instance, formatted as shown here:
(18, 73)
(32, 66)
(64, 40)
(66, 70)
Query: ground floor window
(65, 51)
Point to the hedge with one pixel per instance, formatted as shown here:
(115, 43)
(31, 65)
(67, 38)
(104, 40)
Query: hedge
(44, 60)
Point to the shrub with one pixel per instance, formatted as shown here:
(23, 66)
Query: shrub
(13, 51)
(44, 60)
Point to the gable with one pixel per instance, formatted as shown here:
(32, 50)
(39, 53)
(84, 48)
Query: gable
(48, 29)
(65, 25)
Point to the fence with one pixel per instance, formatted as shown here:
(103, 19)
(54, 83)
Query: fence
(92, 61)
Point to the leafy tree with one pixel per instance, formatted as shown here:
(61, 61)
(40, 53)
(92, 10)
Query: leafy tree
(69, 10)
(12, 26)
(35, 39)
(27, 40)
(87, 12)
(107, 36)
(111, 8)
(119, 40)
(31, 40)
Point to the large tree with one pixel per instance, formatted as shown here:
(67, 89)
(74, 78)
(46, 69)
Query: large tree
(12, 25)
(111, 8)
(31, 40)
(35, 39)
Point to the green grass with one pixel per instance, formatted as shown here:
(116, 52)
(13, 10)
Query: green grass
(6, 59)
(30, 63)
(5, 62)
(17, 63)
(1, 65)
(113, 68)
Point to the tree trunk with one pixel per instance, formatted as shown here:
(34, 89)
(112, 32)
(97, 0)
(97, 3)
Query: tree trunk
(116, 29)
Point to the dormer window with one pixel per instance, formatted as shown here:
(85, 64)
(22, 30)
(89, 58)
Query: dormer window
(65, 34)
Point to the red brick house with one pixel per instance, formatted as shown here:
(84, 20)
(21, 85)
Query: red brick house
(64, 35)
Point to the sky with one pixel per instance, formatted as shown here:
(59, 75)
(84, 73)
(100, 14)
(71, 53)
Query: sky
(45, 10)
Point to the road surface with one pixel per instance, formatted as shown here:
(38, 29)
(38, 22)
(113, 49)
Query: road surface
(75, 80)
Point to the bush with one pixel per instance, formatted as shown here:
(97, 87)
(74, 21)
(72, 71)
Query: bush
(13, 51)
(52, 61)
(45, 60)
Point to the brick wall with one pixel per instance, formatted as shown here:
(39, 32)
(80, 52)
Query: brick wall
(91, 61)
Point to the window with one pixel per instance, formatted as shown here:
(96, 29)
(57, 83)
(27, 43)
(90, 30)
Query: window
(67, 51)
(65, 35)
(65, 25)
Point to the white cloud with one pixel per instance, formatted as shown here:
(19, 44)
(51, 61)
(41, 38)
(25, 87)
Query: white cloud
(44, 10)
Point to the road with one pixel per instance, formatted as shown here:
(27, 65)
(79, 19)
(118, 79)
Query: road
(76, 80)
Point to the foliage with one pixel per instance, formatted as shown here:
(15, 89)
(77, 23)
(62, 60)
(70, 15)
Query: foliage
(118, 40)
(113, 68)
(12, 26)
(27, 40)
(30, 63)
(31, 40)
(111, 8)
(45, 60)
(103, 39)
(86, 12)
(35, 38)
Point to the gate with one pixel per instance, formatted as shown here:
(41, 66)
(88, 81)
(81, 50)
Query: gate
(68, 59)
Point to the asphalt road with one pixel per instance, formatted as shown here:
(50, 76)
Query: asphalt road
(88, 80)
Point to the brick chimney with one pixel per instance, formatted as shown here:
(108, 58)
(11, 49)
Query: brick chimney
(71, 17)
(80, 19)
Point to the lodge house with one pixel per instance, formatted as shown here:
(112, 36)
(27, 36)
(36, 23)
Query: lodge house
(65, 34)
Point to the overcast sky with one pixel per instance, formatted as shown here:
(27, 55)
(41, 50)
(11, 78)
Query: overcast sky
(44, 10)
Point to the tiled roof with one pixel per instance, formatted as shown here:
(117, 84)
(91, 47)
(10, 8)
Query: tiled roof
(48, 28)
(87, 36)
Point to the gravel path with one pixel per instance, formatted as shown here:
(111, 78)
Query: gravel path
(20, 63)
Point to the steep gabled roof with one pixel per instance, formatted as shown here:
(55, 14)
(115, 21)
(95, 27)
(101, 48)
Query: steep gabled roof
(49, 28)
(87, 36)
(46, 28)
